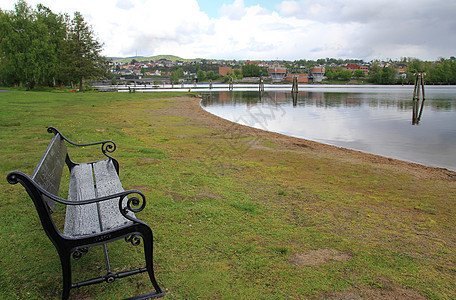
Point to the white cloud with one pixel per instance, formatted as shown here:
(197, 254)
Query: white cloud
(234, 11)
(124, 4)
(290, 8)
(297, 29)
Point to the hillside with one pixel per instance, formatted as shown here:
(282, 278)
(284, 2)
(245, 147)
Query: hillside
(144, 58)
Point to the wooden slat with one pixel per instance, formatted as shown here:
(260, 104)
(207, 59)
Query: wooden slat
(81, 219)
(48, 172)
(108, 183)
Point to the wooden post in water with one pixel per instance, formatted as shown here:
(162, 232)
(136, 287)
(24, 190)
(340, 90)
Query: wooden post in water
(418, 95)
(294, 91)
(261, 86)
(230, 86)
(294, 88)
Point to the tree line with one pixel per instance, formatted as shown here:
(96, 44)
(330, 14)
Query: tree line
(41, 48)
(442, 71)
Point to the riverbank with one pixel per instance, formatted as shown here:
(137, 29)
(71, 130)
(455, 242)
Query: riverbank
(236, 212)
(192, 109)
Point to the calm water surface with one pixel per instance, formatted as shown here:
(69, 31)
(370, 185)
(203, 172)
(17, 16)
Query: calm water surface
(371, 119)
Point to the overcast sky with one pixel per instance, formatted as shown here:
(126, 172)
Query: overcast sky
(268, 29)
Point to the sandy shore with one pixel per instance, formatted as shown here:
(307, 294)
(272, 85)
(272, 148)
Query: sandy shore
(190, 108)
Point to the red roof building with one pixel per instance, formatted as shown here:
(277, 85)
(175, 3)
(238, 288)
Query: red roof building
(302, 77)
(223, 71)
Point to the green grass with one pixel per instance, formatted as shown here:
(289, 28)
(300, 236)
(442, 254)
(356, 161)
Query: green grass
(227, 219)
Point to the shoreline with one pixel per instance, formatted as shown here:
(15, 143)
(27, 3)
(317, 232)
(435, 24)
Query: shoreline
(191, 108)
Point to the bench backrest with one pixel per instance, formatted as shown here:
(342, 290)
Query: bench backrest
(48, 172)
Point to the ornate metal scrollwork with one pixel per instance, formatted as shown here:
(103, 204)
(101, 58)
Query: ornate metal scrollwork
(78, 253)
(133, 239)
(12, 178)
(108, 146)
(134, 204)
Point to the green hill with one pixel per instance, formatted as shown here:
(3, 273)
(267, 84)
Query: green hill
(150, 58)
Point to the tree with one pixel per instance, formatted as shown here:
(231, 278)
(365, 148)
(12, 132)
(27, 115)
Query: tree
(51, 29)
(388, 76)
(358, 74)
(385, 75)
(38, 47)
(16, 35)
(211, 75)
(250, 71)
(237, 74)
(180, 73)
(174, 77)
(82, 51)
(201, 75)
(344, 75)
(143, 71)
(30, 45)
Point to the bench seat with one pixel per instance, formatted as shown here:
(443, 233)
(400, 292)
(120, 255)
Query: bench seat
(90, 181)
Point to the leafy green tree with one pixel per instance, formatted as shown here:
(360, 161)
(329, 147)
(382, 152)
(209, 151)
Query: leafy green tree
(238, 74)
(358, 74)
(201, 75)
(250, 71)
(331, 75)
(30, 45)
(39, 47)
(82, 51)
(375, 72)
(180, 73)
(388, 76)
(16, 33)
(211, 75)
(379, 75)
(344, 75)
(174, 77)
(52, 30)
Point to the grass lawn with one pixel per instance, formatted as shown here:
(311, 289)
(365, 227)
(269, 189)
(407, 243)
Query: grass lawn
(234, 215)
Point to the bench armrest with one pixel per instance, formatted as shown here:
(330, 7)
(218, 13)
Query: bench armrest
(106, 146)
(133, 204)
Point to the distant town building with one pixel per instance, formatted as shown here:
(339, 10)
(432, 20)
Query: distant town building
(224, 71)
(351, 68)
(365, 69)
(277, 73)
(302, 77)
(316, 74)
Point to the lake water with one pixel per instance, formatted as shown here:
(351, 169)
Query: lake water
(373, 119)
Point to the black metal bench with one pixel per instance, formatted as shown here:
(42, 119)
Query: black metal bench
(98, 210)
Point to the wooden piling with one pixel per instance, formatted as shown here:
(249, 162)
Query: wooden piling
(294, 88)
(418, 98)
(261, 86)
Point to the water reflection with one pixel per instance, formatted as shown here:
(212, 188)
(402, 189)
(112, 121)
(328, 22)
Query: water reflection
(417, 111)
(375, 120)
(401, 101)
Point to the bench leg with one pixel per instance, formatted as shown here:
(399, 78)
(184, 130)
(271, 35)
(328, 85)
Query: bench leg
(65, 260)
(148, 252)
